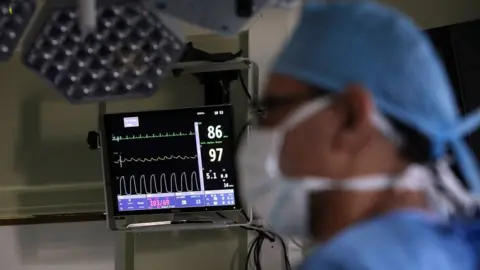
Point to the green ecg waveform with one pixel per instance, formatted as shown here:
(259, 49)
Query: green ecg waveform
(152, 136)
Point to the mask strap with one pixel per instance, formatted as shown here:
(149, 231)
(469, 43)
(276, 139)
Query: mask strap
(416, 178)
(384, 126)
(454, 191)
(304, 112)
(376, 183)
(316, 105)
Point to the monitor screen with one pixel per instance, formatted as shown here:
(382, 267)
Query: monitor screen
(170, 160)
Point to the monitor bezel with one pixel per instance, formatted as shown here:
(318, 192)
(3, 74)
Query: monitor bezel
(110, 194)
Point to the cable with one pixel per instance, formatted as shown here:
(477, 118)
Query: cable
(244, 214)
(244, 86)
(256, 108)
(288, 266)
(253, 103)
(296, 243)
(249, 97)
(255, 248)
(240, 134)
(221, 215)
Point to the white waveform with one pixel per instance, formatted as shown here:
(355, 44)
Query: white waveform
(121, 160)
(161, 186)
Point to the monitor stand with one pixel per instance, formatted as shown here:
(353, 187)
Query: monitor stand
(182, 221)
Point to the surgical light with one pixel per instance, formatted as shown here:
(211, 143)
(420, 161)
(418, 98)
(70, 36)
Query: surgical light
(226, 17)
(124, 57)
(14, 17)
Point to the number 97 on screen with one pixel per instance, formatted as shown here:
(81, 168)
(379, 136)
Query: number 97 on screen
(215, 133)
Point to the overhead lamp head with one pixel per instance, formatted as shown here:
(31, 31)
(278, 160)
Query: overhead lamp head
(14, 18)
(221, 16)
(124, 57)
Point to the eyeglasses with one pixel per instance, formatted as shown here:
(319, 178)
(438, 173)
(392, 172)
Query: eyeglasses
(272, 103)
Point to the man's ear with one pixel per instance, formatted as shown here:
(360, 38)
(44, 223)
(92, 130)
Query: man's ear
(355, 106)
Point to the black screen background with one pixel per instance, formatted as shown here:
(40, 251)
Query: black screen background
(168, 121)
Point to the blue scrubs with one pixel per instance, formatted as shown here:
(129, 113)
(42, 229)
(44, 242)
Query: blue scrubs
(405, 240)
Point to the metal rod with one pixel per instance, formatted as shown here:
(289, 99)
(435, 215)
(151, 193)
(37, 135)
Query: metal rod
(88, 16)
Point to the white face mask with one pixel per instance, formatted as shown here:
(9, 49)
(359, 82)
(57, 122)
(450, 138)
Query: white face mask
(283, 203)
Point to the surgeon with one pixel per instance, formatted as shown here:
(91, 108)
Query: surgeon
(353, 151)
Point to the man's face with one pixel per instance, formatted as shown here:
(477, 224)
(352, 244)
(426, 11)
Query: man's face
(338, 142)
(310, 148)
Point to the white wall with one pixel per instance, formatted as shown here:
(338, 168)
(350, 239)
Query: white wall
(76, 246)
(27, 107)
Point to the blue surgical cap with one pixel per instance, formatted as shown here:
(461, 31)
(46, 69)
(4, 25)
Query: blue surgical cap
(382, 49)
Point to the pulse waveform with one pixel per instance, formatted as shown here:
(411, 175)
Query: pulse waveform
(160, 185)
(121, 160)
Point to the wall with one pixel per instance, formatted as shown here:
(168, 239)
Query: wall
(76, 246)
(435, 13)
(36, 148)
(279, 23)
